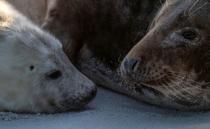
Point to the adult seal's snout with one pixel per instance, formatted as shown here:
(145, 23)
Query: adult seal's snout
(129, 66)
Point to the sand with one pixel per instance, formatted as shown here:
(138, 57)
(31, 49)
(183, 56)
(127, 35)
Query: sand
(110, 111)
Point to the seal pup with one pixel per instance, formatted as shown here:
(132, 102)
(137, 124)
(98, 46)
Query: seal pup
(35, 74)
(170, 66)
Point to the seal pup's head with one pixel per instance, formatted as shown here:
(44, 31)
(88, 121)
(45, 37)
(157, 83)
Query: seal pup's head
(170, 66)
(35, 74)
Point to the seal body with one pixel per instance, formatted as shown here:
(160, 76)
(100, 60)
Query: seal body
(108, 28)
(170, 65)
(35, 74)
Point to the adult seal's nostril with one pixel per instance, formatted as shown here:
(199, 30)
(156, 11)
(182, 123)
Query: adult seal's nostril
(53, 75)
(129, 65)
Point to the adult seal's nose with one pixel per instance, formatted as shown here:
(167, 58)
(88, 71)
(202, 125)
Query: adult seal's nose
(129, 66)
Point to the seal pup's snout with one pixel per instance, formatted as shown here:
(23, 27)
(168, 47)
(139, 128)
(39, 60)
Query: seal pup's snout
(78, 103)
(91, 95)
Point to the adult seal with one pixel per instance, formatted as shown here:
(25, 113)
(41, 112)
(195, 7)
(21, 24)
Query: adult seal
(170, 65)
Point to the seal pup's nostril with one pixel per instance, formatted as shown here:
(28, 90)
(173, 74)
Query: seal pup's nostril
(129, 65)
(53, 75)
(91, 95)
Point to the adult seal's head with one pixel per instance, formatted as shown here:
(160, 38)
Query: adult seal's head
(170, 66)
(35, 74)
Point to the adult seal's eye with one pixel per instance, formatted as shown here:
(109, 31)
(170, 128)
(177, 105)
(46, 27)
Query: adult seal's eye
(190, 34)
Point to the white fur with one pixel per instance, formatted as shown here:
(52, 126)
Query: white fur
(22, 44)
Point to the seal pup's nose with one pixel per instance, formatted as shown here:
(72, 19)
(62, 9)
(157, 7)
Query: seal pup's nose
(129, 66)
(91, 95)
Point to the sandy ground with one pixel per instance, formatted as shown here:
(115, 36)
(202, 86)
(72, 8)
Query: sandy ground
(110, 111)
